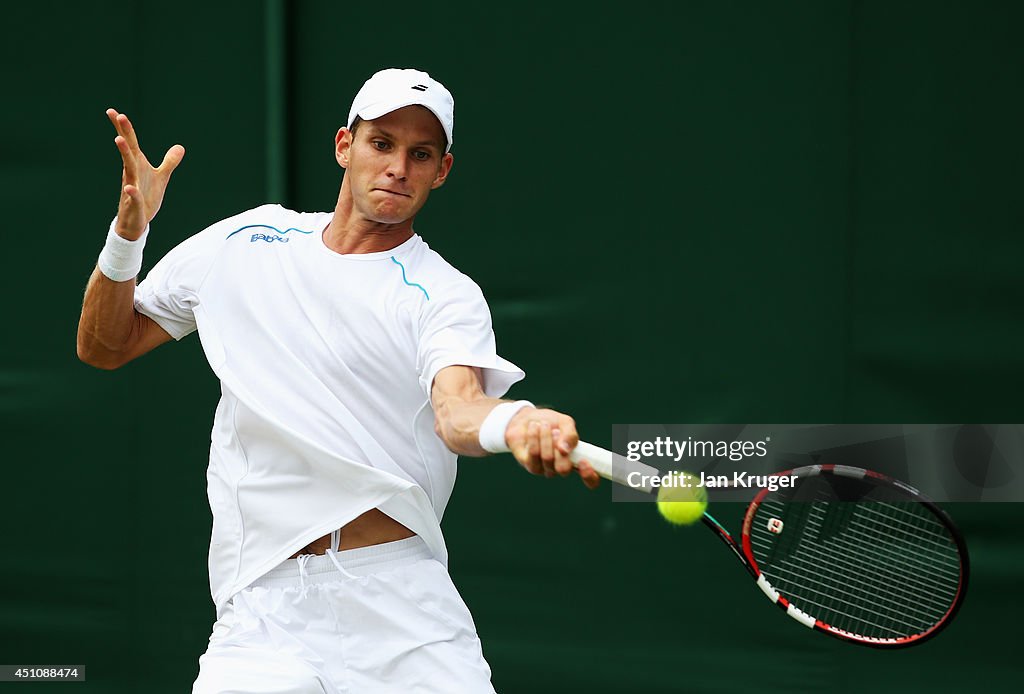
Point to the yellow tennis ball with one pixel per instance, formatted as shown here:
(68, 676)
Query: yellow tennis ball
(682, 501)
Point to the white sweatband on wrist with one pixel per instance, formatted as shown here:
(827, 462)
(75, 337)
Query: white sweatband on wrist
(492, 431)
(121, 259)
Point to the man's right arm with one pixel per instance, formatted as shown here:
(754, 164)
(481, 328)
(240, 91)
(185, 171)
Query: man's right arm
(110, 331)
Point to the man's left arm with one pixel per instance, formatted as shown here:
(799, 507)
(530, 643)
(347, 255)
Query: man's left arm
(540, 439)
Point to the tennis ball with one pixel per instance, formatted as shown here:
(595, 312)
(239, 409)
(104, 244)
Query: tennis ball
(683, 502)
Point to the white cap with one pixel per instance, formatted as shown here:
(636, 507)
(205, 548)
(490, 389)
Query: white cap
(392, 89)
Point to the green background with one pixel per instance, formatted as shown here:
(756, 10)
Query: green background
(679, 212)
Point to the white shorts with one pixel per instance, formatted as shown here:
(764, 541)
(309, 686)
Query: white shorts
(392, 622)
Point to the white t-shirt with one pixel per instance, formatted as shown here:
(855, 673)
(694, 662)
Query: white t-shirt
(326, 363)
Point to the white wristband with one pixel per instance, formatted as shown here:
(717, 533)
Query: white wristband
(492, 431)
(121, 259)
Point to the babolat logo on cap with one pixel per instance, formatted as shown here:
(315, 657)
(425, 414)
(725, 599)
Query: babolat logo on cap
(420, 87)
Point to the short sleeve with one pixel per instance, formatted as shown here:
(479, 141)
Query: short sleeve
(456, 330)
(169, 293)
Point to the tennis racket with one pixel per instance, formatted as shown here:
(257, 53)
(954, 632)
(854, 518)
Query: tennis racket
(846, 551)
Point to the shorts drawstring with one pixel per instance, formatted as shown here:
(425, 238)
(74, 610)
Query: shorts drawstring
(304, 571)
(302, 560)
(332, 552)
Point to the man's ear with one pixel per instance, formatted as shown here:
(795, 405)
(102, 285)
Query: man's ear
(442, 174)
(342, 145)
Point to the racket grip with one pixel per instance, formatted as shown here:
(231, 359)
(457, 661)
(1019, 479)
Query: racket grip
(613, 467)
(599, 459)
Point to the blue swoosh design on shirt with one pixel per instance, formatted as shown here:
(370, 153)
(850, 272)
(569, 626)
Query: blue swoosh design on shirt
(266, 226)
(405, 279)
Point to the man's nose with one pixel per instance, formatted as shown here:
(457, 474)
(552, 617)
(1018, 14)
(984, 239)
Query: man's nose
(398, 166)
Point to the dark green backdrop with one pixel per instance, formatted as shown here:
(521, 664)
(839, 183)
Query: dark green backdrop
(679, 211)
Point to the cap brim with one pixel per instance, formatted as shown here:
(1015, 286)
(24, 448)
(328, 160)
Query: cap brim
(375, 111)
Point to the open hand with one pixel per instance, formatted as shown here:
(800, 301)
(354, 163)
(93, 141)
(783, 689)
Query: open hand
(142, 185)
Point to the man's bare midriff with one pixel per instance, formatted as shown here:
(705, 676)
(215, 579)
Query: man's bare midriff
(372, 528)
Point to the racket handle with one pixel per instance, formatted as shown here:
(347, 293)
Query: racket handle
(611, 466)
(599, 459)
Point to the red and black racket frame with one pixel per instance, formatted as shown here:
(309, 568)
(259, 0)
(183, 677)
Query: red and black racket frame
(745, 554)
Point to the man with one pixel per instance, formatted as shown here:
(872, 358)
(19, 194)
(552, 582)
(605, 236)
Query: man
(355, 365)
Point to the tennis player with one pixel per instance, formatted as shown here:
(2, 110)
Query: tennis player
(355, 364)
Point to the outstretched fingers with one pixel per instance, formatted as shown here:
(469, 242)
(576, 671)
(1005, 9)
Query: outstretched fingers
(123, 146)
(112, 116)
(131, 172)
(125, 129)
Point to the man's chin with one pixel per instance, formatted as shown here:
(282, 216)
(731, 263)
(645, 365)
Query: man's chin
(386, 214)
(391, 220)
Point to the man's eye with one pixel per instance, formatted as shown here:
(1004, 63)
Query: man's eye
(421, 155)
(380, 144)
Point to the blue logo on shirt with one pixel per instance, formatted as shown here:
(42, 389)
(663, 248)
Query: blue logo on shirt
(268, 239)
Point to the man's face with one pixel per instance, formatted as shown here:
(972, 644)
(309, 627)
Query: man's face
(393, 162)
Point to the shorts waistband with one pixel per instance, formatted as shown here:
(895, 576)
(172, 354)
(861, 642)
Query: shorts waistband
(362, 561)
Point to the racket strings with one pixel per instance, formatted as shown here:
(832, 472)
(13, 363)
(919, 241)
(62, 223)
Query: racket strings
(879, 569)
(823, 592)
(878, 594)
(873, 564)
(800, 570)
(875, 595)
(934, 538)
(848, 614)
(917, 566)
(915, 560)
(797, 577)
(876, 578)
